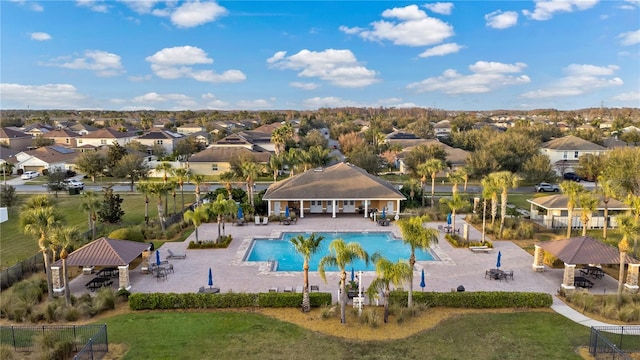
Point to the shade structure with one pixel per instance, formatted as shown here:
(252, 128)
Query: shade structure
(449, 219)
(353, 275)
(498, 262)
(384, 213)
(422, 283)
(240, 214)
(286, 211)
(210, 278)
(158, 262)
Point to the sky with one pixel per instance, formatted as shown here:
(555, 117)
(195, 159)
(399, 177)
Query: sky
(306, 55)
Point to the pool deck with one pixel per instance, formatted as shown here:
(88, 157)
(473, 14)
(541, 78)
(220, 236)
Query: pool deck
(230, 273)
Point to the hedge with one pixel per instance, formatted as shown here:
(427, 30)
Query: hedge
(154, 301)
(476, 299)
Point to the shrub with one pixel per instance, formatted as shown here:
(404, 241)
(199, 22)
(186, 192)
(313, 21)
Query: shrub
(48, 346)
(6, 353)
(105, 300)
(222, 244)
(476, 299)
(132, 234)
(140, 301)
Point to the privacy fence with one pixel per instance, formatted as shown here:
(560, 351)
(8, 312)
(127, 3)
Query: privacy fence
(614, 342)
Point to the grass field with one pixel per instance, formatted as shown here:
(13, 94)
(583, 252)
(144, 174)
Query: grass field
(17, 246)
(246, 335)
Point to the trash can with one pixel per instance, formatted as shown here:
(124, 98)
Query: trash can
(74, 191)
(460, 288)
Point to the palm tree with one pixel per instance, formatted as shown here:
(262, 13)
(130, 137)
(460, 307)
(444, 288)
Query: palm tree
(588, 205)
(280, 136)
(7, 167)
(634, 202)
(181, 175)
(197, 180)
(164, 166)
(572, 190)
(250, 172)
(40, 222)
(219, 208)
(387, 273)
(306, 246)
(627, 228)
(145, 189)
(91, 204)
(455, 177)
(196, 217)
(413, 185)
(416, 236)
(293, 159)
(275, 165)
(340, 255)
(455, 203)
(432, 166)
(61, 239)
(607, 189)
(505, 180)
(159, 189)
(490, 191)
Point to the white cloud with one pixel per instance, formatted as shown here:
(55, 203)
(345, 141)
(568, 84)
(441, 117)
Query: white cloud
(443, 8)
(630, 38)
(632, 96)
(411, 27)
(212, 102)
(441, 50)
(97, 6)
(329, 102)
(501, 20)
(33, 6)
(545, 9)
(52, 96)
(630, 5)
(40, 36)
(154, 97)
(579, 79)
(173, 63)
(350, 31)
(485, 77)
(254, 104)
(196, 13)
(139, 78)
(303, 85)
(141, 6)
(338, 67)
(102, 62)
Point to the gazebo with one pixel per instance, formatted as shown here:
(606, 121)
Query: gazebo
(101, 252)
(584, 250)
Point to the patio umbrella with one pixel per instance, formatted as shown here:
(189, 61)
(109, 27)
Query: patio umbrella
(498, 262)
(158, 262)
(353, 275)
(422, 283)
(384, 213)
(240, 214)
(449, 219)
(286, 211)
(210, 278)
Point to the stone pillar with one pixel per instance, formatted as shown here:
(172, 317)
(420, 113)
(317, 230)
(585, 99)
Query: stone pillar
(465, 232)
(123, 280)
(632, 279)
(56, 280)
(568, 278)
(538, 259)
(144, 264)
(268, 208)
(366, 208)
(301, 209)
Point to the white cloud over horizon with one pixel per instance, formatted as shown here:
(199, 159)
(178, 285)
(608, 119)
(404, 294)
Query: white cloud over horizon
(44, 96)
(442, 50)
(443, 8)
(40, 36)
(579, 79)
(104, 64)
(630, 38)
(501, 20)
(545, 9)
(176, 62)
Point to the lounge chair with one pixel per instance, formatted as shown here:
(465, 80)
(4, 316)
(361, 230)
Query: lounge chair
(257, 220)
(315, 288)
(265, 220)
(273, 289)
(288, 289)
(173, 255)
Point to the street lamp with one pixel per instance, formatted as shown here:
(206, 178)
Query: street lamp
(484, 217)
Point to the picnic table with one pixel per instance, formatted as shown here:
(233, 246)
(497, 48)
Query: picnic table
(98, 282)
(583, 282)
(108, 272)
(593, 271)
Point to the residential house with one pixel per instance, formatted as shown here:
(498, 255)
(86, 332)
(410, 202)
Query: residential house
(190, 129)
(47, 158)
(442, 128)
(216, 159)
(104, 137)
(248, 139)
(161, 137)
(15, 139)
(36, 129)
(338, 189)
(455, 158)
(63, 137)
(551, 212)
(202, 137)
(82, 129)
(564, 152)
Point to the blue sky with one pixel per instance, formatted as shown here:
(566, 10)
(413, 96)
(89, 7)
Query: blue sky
(277, 55)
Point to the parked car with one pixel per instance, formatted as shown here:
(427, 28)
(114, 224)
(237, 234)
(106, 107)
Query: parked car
(73, 184)
(546, 187)
(572, 176)
(27, 175)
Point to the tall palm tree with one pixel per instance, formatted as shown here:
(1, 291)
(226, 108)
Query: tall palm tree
(275, 165)
(490, 191)
(197, 180)
(40, 222)
(196, 217)
(634, 203)
(91, 204)
(306, 246)
(416, 236)
(280, 136)
(432, 166)
(455, 177)
(412, 185)
(572, 190)
(608, 190)
(7, 167)
(293, 159)
(455, 203)
(387, 273)
(588, 204)
(250, 172)
(165, 167)
(61, 239)
(219, 208)
(340, 255)
(181, 174)
(159, 189)
(505, 180)
(627, 227)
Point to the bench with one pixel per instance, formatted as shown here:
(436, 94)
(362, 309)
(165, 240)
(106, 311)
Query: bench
(477, 249)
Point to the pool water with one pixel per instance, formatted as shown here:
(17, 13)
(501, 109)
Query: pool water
(283, 252)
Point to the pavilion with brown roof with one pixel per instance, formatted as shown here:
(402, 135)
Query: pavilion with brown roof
(340, 188)
(587, 251)
(103, 252)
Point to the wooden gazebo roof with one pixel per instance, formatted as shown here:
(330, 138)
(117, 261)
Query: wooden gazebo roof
(585, 250)
(106, 252)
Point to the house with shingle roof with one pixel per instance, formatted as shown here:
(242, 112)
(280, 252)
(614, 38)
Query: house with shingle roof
(50, 158)
(564, 152)
(455, 157)
(82, 129)
(190, 128)
(104, 137)
(63, 137)
(216, 159)
(551, 212)
(338, 189)
(15, 139)
(161, 137)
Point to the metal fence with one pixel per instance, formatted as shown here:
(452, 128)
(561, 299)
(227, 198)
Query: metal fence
(87, 341)
(21, 270)
(614, 342)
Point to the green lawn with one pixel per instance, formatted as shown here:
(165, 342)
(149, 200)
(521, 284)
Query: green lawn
(228, 335)
(17, 246)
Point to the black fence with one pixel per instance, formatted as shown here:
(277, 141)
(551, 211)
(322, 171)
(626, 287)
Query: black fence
(614, 342)
(86, 341)
(21, 270)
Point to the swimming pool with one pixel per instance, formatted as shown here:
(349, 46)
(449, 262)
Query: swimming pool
(283, 253)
